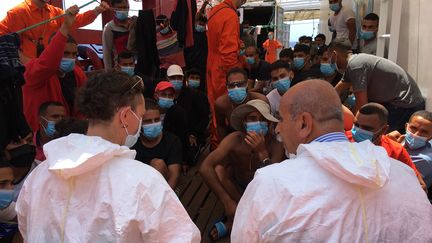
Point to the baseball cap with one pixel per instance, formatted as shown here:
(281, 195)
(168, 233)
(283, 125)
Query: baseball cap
(163, 85)
(174, 70)
(238, 115)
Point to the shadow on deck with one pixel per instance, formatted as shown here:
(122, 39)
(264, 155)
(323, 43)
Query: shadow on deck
(203, 206)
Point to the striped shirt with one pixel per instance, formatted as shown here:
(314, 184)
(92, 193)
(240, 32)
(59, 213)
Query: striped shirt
(332, 137)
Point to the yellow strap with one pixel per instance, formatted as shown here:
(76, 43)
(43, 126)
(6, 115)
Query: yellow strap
(362, 203)
(71, 183)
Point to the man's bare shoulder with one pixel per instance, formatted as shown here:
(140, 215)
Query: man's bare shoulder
(223, 102)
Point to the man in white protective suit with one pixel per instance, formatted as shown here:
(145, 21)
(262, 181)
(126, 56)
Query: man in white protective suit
(91, 189)
(330, 190)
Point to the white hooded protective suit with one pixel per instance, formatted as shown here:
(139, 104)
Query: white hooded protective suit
(334, 192)
(91, 190)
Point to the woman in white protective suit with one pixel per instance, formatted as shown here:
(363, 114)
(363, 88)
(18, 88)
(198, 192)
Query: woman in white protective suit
(90, 188)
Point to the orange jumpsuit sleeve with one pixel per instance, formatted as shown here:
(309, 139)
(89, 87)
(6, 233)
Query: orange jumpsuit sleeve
(229, 46)
(85, 18)
(266, 44)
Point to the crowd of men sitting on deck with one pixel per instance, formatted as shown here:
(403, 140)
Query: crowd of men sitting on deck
(320, 144)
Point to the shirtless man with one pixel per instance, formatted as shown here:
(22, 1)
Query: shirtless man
(252, 146)
(237, 81)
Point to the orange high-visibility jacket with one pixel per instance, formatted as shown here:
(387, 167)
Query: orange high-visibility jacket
(27, 13)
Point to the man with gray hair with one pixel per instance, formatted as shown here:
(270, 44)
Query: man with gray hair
(330, 190)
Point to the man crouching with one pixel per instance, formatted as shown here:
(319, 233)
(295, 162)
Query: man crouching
(229, 168)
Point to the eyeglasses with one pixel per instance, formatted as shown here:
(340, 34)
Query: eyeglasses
(238, 84)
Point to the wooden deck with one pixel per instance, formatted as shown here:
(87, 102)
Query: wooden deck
(202, 205)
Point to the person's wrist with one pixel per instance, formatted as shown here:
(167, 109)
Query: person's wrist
(64, 30)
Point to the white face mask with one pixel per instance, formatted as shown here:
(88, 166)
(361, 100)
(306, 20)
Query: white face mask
(132, 139)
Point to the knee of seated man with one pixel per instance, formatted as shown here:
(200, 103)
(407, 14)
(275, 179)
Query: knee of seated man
(160, 165)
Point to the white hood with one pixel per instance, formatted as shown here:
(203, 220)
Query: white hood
(371, 165)
(77, 154)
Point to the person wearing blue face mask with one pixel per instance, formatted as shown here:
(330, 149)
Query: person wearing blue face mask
(126, 63)
(417, 141)
(169, 49)
(258, 70)
(9, 225)
(175, 76)
(343, 21)
(328, 66)
(173, 116)
(160, 149)
(368, 34)
(196, 55)
(253, 144)
(115, 35)
(303, 66)
(371, 124)
(238, 94)
(281, 77)
(195, 104)
(50, 113)
(53, 76)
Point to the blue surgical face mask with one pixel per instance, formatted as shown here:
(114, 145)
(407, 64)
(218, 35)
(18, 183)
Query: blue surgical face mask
(257, 127)
(67, 64)
(413, 141)
(270, 37)
(361, 135)
(237, 95)
(129, 70)
(165, 103)
(165, 30)
(299, 62)
(178, 84)
(152, 130)
(327, 69)
(6, 197)
(200, 28)
(242, 52)
(121, 15)
(250, 60)
(194, 83)
(366, 35)
(50, 128)
(282, 85)
(335, 7)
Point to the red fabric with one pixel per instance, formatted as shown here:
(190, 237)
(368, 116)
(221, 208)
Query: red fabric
(163, 85)
(394, 150)
(39, 149)
(223, 47)
(120, 43)
(42, 83)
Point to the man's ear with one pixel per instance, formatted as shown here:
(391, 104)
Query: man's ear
(385, 129)
(305, 125)
(291, 75)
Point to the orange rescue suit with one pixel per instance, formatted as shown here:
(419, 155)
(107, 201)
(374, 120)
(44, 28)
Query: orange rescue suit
(223, 47)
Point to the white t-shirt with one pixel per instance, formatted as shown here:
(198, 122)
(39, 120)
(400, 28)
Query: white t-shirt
(339, 22)
(274, 98)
